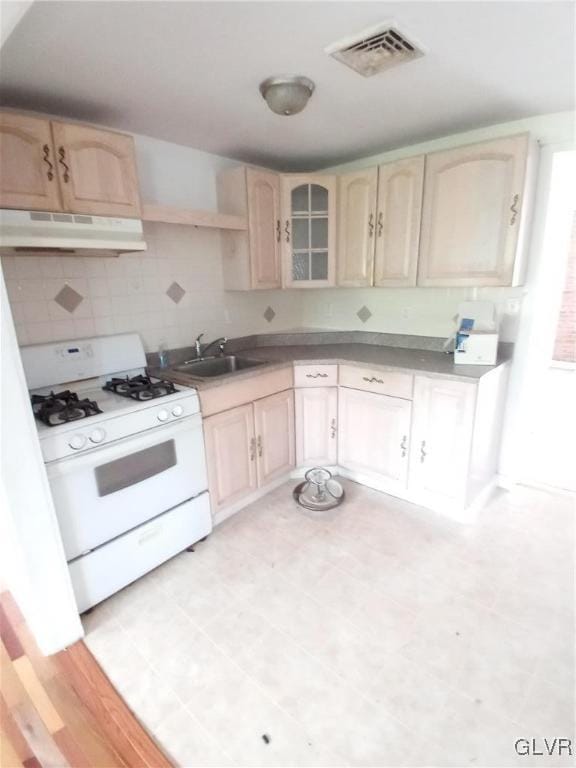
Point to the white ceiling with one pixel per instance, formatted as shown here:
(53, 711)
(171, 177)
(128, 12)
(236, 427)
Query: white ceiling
(188, 72)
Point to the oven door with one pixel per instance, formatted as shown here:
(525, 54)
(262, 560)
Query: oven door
(106, 492)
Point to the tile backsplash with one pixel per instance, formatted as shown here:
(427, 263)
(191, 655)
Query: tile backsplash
(169, 293)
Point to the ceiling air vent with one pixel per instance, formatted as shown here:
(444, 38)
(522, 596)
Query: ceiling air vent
(375, 50)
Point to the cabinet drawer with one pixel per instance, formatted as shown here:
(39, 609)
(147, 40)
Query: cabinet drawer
(242, 391)
(315, 375)
(382, 382)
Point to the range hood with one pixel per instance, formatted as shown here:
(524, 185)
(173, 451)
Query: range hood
(36, 232)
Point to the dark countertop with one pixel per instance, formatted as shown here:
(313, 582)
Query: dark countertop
(378, 356)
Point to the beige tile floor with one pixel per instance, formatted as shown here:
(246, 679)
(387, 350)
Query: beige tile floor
(378, 634)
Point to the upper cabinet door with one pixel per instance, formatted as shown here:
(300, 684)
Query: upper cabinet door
(356, 227)
(274, 422)
(473, 201)
(308, 230)
(28, 177)
(263, 189)
(400, 187)
(97, 171)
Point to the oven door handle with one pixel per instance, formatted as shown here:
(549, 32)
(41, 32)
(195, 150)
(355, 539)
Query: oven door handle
(103, 453)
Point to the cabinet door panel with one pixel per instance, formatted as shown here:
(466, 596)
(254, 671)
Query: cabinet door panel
(97, 171)
(373, 434)
(356, 227)
(274, 422)
(316, 426)
(28, 177)
(398, 222)
(230, 456)
(441, 437)
(264, 228)
(308, 230)
(471, 213)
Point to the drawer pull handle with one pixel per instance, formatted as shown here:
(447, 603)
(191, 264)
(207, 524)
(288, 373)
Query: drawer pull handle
(260, 448)
(423, 453)
(46, 159)
(278, 230)
(62, 161)
(316, 375)
(252, 448)
(514, 209)
(287, 231)
(380, 223)
(372, 380)
(333, 429)
(404, 445)
(371, 225)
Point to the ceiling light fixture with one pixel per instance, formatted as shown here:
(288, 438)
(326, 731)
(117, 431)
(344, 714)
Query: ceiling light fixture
(286, 94)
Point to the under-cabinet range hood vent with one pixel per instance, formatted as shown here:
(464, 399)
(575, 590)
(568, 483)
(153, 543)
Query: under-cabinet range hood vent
(376, 49)
(33, 232)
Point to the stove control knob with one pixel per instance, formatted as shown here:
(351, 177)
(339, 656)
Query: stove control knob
(97, 436)
(162, 415)
(77, 441)
(177, 410)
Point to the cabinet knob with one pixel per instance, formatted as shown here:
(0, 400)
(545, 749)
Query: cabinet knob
(333, 429)
(260, 448)
(423, 452)
(514, 209)
(278, 232)
(252, 448)
(46, 159)
(287, 230)
(404, 445)
(371, 225)
(380, 223)
(62, 161)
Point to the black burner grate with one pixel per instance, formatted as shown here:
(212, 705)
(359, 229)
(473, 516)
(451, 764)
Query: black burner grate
(139, 387)
(62, 407)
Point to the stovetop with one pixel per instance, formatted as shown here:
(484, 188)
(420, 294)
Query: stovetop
(98, 399)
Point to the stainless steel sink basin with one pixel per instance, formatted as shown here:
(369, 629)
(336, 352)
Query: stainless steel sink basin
(217, 366)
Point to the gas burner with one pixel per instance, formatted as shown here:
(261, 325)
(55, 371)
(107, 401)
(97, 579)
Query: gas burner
(140, 387)
(55, 409)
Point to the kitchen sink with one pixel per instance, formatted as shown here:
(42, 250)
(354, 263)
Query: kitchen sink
(217, 366)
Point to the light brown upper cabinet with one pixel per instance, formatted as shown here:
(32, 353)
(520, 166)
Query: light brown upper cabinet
(356, 227)
(474, 214)
(398, 222)
(28, 176)
(97, 171)
(251, 259)
(379, 224)
(308, 231)
(54, 166)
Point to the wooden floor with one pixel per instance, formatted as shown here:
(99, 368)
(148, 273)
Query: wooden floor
(62, 710)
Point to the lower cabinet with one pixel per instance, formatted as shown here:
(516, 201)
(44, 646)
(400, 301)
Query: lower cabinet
(374, 431)
(441, 439)
(316, 426)
(248, 447)
(230, 456)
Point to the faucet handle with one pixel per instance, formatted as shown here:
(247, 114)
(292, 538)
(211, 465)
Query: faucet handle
(199, 336)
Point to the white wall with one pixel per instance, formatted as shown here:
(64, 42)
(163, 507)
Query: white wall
(33, 562)
(428, 311)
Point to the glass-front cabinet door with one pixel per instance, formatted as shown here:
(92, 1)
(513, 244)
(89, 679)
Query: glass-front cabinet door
(308, 230)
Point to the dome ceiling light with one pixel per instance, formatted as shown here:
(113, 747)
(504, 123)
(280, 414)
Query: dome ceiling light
(286, 94)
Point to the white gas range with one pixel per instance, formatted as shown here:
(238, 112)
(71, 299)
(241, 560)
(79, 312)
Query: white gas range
(124, 456)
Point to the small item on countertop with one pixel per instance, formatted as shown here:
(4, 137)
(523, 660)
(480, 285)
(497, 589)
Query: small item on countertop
(162, 355)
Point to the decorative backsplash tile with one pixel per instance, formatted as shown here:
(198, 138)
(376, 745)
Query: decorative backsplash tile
(68, 298)
(176, 293)
(269, 314)
(364, 314)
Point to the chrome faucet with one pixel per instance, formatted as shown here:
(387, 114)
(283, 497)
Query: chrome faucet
(201, 350)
